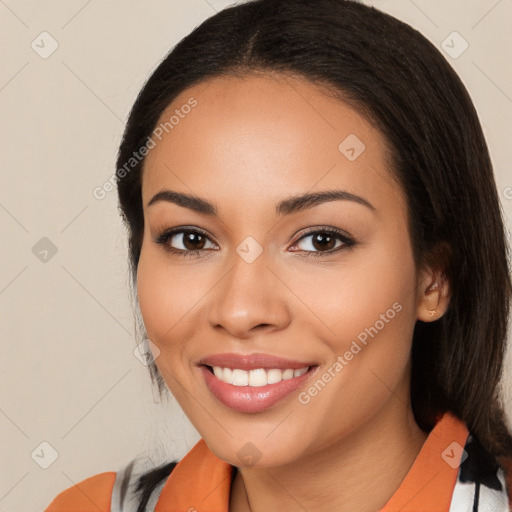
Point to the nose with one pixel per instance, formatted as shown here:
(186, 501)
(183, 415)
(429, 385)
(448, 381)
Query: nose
(249, 299)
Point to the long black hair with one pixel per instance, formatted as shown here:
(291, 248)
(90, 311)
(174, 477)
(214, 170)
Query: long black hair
(401, 82)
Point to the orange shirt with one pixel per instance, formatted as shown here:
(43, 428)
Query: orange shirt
(202, 481)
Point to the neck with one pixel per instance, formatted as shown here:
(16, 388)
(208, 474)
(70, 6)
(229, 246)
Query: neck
(376, 457)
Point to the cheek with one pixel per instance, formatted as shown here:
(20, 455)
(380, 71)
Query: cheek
(371, 288)
(162, 300)
(153, 297)
(369, 307)
(166, 295)
(380, 317)
(163, 306)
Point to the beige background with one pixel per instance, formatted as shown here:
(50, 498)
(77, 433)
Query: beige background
(69, 376)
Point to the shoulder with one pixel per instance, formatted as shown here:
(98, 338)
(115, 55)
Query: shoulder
(92, 494)
(135, 483)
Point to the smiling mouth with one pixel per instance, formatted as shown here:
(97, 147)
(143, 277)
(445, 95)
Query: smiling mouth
(257, 377)
(261, 383)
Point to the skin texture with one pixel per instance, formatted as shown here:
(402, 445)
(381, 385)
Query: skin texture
(249, 143)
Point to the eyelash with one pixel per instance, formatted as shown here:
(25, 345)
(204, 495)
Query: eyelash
(163, 238)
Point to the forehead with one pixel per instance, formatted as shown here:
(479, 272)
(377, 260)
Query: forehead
(265, 134)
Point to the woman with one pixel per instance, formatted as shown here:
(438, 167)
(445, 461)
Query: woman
(319, 258)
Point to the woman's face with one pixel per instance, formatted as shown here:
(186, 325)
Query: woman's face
(268, 279)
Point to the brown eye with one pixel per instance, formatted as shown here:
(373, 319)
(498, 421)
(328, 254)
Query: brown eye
(193, 241)
(319, 241)
(188, 241)
(324, 241)
(185, 241)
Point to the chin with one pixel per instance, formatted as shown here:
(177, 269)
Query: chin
(244, 453)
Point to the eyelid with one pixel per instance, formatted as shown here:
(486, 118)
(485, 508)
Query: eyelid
(162, 239)
(168, 233)
(347, 240)
(324, 229)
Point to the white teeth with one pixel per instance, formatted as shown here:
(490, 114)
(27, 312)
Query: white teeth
(256, 378)
(228, 375)
(298, 373)
(288, 374)
(240, 377)
(274, 376)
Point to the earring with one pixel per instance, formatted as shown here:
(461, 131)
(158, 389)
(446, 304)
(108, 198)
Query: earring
(433, 312)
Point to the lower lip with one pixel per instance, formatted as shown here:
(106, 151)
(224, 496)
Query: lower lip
(249, 398)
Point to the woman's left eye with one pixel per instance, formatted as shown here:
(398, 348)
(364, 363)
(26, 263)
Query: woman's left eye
(324, 241)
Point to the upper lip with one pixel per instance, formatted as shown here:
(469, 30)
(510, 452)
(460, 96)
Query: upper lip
(252, 361)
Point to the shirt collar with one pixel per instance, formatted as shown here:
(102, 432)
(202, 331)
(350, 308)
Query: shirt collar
(202, 481)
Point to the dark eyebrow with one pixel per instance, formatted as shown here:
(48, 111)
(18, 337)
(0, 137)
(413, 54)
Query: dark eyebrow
(187, 201)
(286, 207)
(305, 201)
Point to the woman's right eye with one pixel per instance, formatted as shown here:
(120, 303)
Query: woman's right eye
(185, 242)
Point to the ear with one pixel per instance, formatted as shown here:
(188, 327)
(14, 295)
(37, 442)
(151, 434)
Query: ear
(433, 295)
